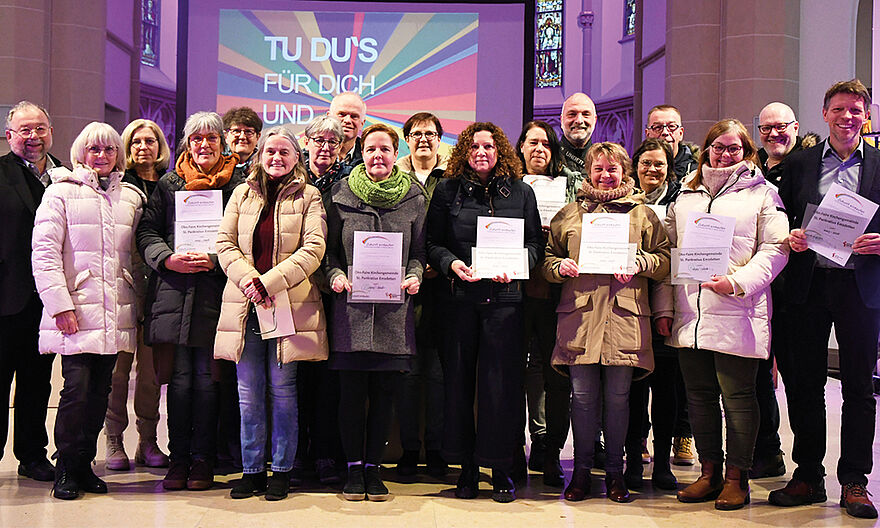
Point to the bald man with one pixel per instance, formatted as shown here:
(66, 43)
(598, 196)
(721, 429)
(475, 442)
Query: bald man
(578, 121)
(351, 111)
(778, 128)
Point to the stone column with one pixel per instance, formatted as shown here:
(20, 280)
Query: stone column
(585, 22)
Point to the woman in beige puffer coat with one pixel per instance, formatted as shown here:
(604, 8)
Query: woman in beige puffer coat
(270, 242)
(722, 326)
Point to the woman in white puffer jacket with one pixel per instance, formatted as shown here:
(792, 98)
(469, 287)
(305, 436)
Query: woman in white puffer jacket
(82, 244)
(722, 326)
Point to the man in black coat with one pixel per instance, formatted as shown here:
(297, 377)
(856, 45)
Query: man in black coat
(578, 121)
(23, 179)
(818, 293)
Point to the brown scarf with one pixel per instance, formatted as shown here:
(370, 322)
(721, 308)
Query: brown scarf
(593, 194)
(196, 180)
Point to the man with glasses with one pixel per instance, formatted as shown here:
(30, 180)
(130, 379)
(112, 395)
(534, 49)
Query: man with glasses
(242, 127)
(664, 123)
(778, 128)
(351, 111)
(23, 179)
(819, 292)
(578, 121)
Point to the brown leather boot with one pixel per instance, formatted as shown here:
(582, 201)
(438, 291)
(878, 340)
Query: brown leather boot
(735, 494)
(707, 487)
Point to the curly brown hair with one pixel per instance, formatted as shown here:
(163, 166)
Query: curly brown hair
(507, 166)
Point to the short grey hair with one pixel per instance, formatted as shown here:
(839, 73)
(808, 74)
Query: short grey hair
(325, 123)
(279, 130)
(101, 135)
(202, 121)
(21, 105)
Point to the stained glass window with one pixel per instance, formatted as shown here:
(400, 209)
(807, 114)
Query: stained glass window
(548, 43)
(629, 18)
(150, 32)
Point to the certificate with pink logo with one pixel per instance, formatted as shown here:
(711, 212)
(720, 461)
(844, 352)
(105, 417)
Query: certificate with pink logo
(842, 217)
(605, 248)
(376, 272)
(500, 248)
(704, 249)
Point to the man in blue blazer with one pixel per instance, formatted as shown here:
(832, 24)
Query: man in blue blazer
(23, 179)
(820, 293)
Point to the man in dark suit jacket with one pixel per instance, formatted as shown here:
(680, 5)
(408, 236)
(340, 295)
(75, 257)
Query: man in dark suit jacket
(23, 179)
(819, 293)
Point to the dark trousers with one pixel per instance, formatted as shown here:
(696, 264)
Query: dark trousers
(192, 406)
(483, 347)
(421, 388)
(540, 319)
(83, 406)
(665, 386)
(366, 410)
(318, 399)
(708, 375)
(20, 358)
(833, 298)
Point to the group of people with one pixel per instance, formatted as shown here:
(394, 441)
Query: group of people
(271, 334)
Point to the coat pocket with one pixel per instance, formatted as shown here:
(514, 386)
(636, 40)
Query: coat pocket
(572, 327)
(631, 324)
(80, 278)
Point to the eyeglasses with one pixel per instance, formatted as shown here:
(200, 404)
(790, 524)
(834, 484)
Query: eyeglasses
(95, 150)
(320, 142)
(246, 132)
(720, 149)
(25, 132)
(671, 127)
(646, 164)
(779, 127)
(197, 140)
(429, 136)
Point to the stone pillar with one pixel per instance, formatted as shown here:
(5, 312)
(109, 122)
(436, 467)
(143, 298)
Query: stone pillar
(585, 22)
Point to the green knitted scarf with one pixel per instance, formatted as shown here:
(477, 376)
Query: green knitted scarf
(386, 193)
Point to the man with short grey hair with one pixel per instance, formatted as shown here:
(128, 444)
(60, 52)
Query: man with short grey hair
(578, 120)
(23, 179)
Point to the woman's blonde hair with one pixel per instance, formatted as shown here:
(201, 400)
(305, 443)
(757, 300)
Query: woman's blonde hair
(612, 152)
(164, 152)
(97, 134)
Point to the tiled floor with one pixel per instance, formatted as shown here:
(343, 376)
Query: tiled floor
(136, 499)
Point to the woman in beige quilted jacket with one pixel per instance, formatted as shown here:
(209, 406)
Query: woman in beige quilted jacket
(270, 242)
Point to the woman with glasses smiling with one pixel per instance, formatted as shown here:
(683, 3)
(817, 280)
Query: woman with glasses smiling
(324, 135)
(183, 302)
(722, 326)
(82, 269)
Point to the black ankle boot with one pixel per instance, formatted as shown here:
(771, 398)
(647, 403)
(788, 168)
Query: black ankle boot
(503, 489)
(375, 488)
(278, 486)
(355, 489)
(250, 484)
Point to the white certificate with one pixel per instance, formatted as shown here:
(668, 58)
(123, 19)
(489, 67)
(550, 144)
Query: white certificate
(842, 217)
(488, 263)
(550, 194)
(605, 246)
(697, 265)
(704, 230)
(197, 217)
(276, 321)
(376, 272)
(199, 236)
(500, 232)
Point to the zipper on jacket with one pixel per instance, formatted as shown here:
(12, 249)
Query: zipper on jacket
(700, 288)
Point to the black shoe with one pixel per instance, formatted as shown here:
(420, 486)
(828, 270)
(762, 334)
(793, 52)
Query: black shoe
(66, 487)
(468, 485)
(553, 475)
(90, 482)
(278, 486)
(772, 466)
(437, 467)
(537, 453)
(355, 488)
(503, 489)
(40, 469)
(408, 464)
(599, 455)
(633, 474)
(375, 488)
(250, 484)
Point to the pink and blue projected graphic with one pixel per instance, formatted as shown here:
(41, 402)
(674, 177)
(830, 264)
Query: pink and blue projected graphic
(288, 65)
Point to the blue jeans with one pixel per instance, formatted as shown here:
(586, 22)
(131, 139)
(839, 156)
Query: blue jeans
(596, 388)
(262, 379)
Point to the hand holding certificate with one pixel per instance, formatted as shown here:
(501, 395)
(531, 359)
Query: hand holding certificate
(500, 249)
(837, 222)
(197, 216)
(705, 248)
(376, 272)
